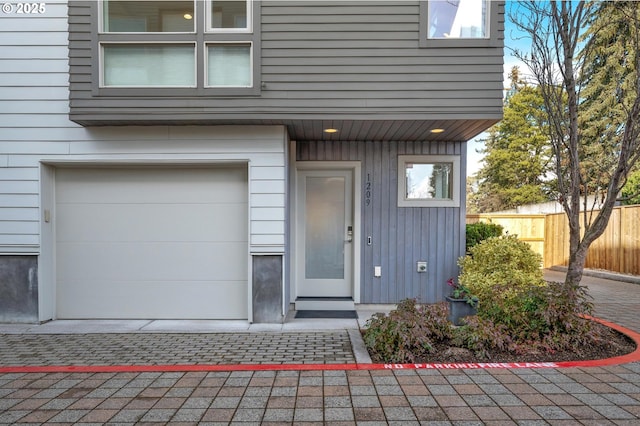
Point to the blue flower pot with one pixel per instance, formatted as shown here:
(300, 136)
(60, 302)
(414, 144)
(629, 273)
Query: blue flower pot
(459, 308)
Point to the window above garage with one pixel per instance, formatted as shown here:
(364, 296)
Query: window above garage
(181, 47)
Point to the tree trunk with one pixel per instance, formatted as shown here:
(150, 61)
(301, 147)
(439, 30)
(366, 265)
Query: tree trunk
(579, 245)
(575, 268)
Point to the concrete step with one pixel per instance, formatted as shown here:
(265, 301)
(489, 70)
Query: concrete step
(324, 304)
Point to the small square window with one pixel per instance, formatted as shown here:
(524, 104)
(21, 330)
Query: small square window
(451, 19)
(230, 16)
(229, 65)
(428, 181)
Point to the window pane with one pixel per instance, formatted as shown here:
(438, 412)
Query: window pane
(428, 181)
(458, 18)
(229, 14)
(229, 65)
(148, 16)
(324, 227)
(148, 65)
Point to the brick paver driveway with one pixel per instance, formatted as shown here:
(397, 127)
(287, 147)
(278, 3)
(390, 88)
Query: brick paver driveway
(572, 396)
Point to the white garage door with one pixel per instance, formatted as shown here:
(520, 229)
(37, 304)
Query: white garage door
(151, 243)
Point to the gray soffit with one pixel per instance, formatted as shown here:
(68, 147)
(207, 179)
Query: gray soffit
(347, 130)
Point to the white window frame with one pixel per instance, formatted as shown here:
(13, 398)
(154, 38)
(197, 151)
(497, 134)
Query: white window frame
(248, 29)
(487, 24)
(227, 43)
(102, 17)
(454, 201)
(492, 35)
(145, 43)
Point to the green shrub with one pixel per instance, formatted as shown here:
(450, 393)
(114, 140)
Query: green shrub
(631, 190)
(500, 268)
(406, 333)
(562, 311)
(515, 300)
(480, 231)
(549, 317)
(481, 336)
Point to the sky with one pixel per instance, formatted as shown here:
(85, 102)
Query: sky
(511, 41)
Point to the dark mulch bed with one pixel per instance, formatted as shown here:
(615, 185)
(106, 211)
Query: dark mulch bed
(612, 344)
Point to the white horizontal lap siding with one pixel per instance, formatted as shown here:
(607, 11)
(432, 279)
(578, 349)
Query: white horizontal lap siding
(267, 221)
(35, 127)
(33, 99)
(268, 210)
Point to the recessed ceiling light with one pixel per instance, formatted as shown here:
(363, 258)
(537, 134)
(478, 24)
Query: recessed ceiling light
(331, 130)
(187, 16)
(437, 130)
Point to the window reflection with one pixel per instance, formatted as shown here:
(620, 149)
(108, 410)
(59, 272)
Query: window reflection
(229, 14)
(428, 181)
(458, 18)
(148, 16)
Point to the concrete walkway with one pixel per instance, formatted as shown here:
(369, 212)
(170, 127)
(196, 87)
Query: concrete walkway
(346, 395)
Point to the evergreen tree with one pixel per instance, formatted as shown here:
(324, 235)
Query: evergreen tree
(608, 88)
(516, 163)
(631, 191)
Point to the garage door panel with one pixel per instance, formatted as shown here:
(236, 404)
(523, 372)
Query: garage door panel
(156, 222)
(152, 261)
(139, 300)
(152, 243)
(125, 186)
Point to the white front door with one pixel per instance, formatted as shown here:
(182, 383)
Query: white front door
(325, 229)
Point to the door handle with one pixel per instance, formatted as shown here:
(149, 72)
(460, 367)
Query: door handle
(349, 234)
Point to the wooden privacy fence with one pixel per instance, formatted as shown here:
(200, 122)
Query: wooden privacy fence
(528, 227)
(617, 250)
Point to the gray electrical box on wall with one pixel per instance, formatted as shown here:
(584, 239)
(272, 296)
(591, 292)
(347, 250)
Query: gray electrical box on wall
(421, 266)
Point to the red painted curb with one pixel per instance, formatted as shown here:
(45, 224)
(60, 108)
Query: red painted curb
(624, 359)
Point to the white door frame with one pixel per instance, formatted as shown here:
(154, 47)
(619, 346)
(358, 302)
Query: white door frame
(355, 168)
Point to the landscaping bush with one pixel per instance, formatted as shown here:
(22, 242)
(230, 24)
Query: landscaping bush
(549, 319)
(500, 268)
(408, 332)
(518, 312)
(561, 313)
(546, 317)
(482, 336)
(506, 276)
(480, 231)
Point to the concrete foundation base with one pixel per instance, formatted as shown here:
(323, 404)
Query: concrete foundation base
(18, 289)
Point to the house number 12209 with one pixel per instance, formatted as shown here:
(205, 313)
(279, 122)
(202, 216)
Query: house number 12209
(24, 8)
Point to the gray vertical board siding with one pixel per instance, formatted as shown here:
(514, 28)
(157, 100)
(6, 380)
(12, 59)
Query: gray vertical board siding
(401, 236)
(319, 59)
